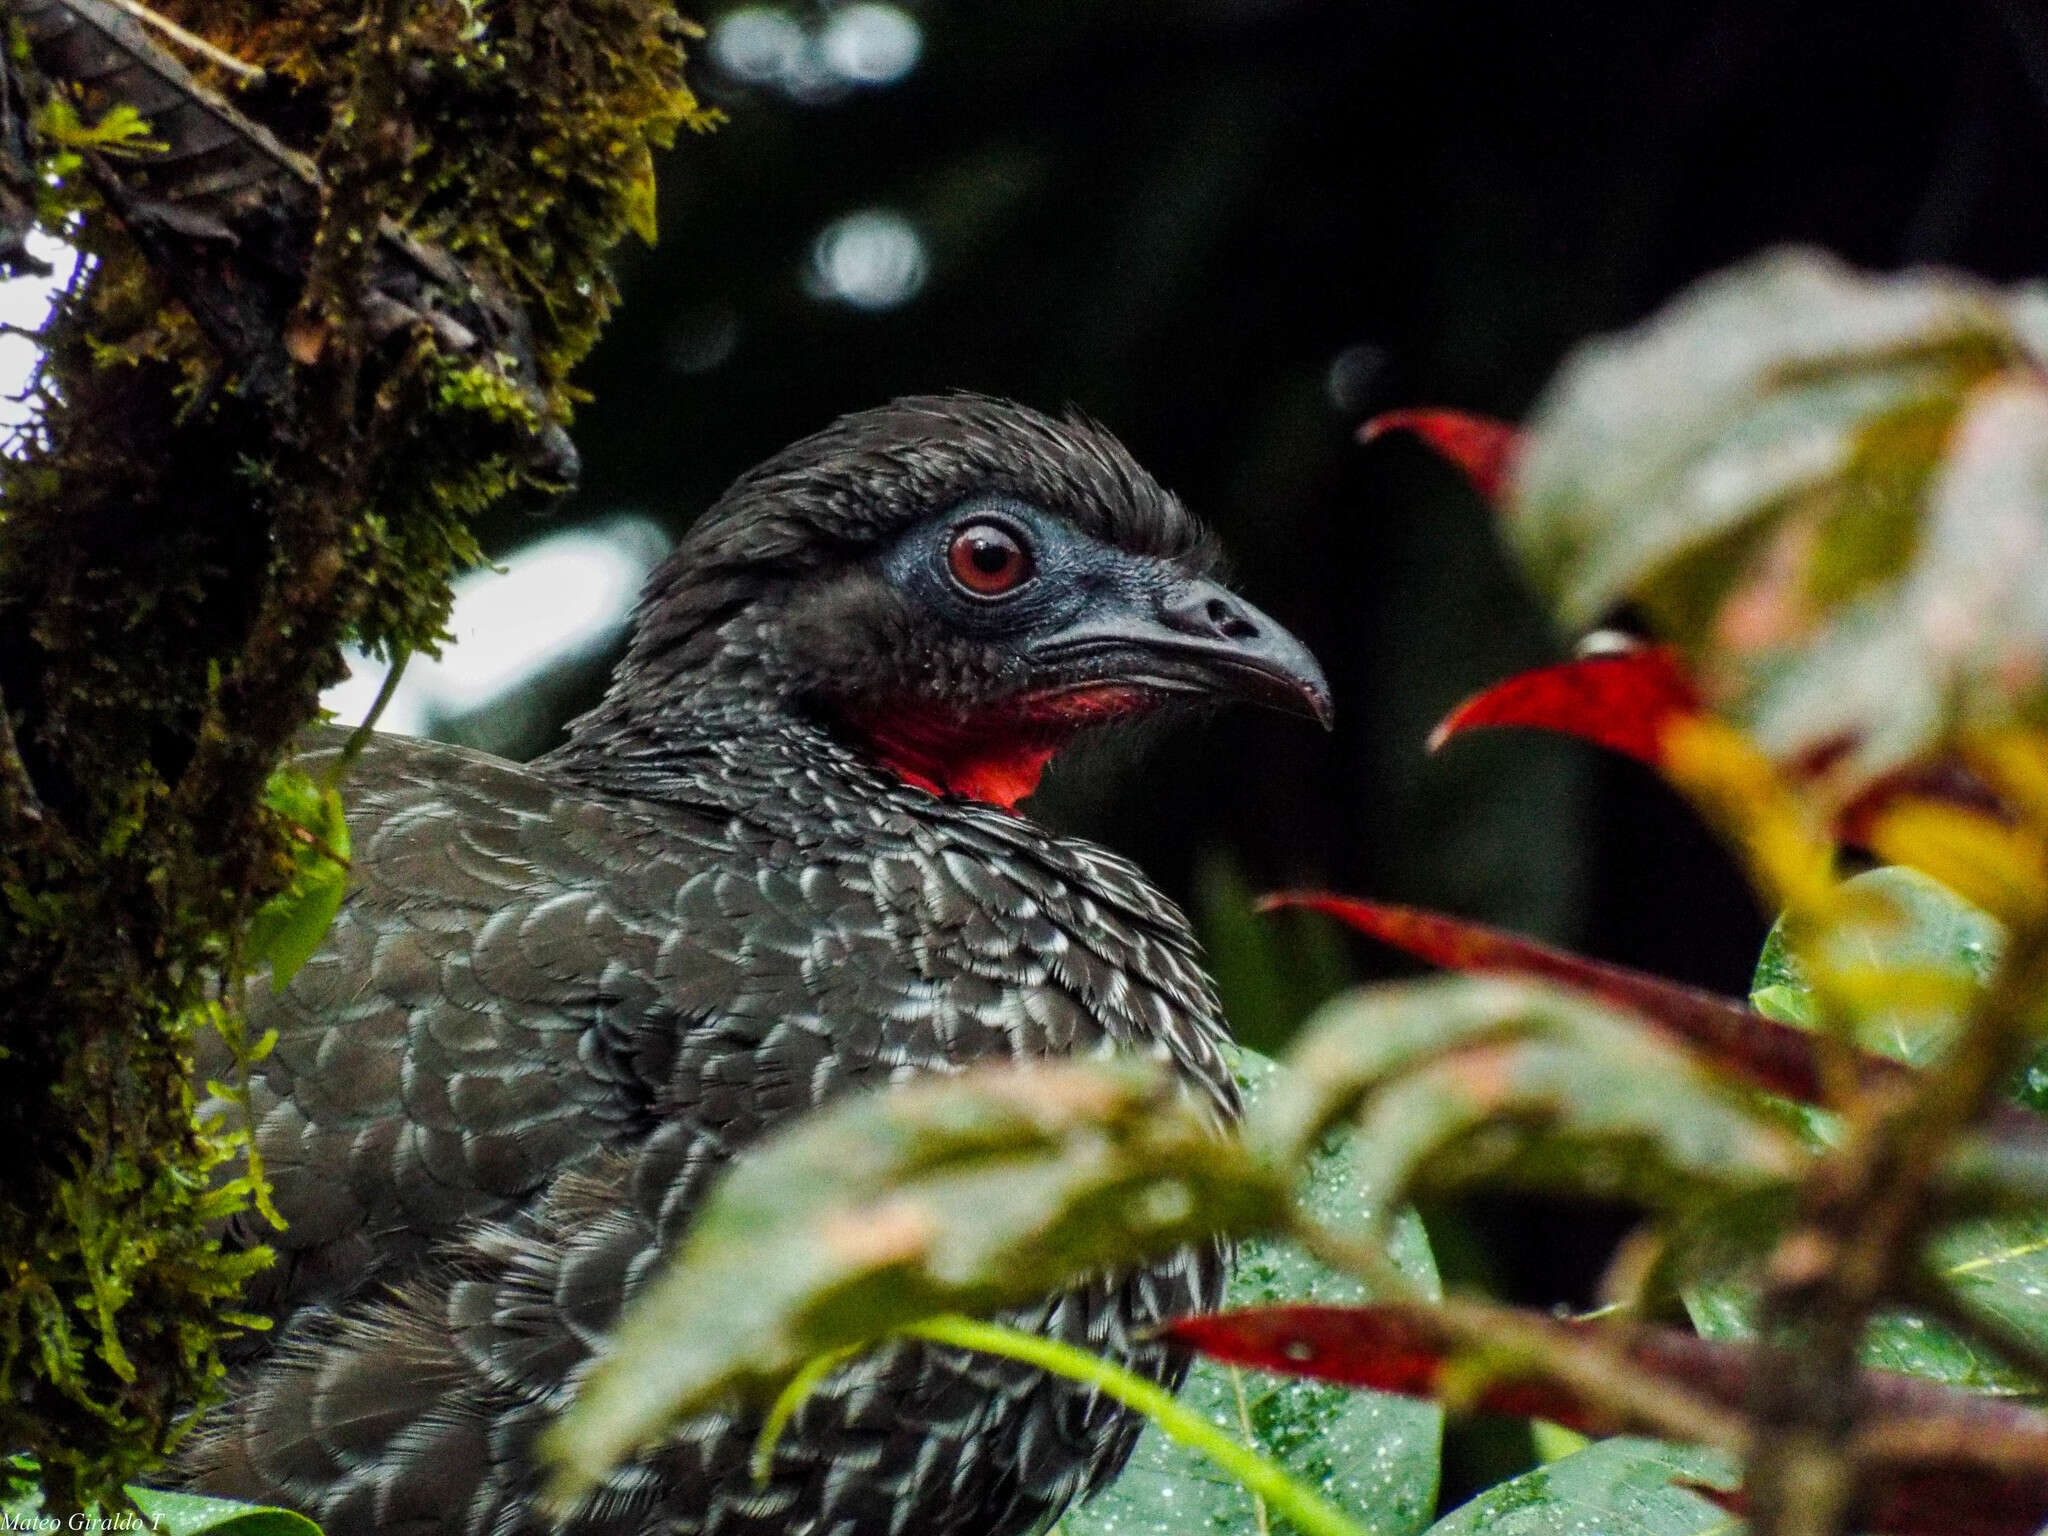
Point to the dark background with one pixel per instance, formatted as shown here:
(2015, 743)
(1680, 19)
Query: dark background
(1231, 229)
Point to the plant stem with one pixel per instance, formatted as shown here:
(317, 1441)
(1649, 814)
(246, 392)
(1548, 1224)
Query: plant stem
(366, 729)
(1307, 1509)
(1863, 1217)
(241, 69)
(791, 1398)
(1244, 1423)
(1595, 1370)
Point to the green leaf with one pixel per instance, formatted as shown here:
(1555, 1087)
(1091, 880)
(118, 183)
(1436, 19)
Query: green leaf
(1374, 1455)
(1829, 489)
(1554, 1442)
(1619, 1487)
(968, 1194)
(1749, 388)
(1308, 1510)
(1457, 1080)
(170, 1514)
(287, 929)
(186, 1514)
(1917, 951)
(1994, 1268)
(122, 130)
(1920, 953)
(21, 1492)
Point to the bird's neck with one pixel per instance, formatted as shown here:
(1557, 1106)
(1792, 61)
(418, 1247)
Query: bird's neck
(715, 693)
(925, 755)
(994, 756)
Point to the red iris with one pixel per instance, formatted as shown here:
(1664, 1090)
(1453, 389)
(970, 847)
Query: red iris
(988, 560)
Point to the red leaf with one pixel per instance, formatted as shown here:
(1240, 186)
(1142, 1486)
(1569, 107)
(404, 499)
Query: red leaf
(1963, 1465)
(1737, 1039)
(1779, 1058)
(1484, 449)
(1624, 702)
(1392, 1348)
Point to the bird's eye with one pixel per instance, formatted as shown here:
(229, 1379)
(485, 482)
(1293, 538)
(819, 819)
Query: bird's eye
(988, 560)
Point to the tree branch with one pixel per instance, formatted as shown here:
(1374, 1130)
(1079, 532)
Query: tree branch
(272, 688)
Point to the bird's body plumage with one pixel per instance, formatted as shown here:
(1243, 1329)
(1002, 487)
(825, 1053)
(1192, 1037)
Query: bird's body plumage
(561, 997)
(482, 1140)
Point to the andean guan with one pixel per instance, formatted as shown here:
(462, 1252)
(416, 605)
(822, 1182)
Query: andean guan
(779, 861)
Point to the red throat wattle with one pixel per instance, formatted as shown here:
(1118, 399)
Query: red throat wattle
(997, 755)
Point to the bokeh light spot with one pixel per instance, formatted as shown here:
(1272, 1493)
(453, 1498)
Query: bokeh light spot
(548, 604)
(873, 260)
(853, 47)
(872, 44)
(24, 307)
(759, 44)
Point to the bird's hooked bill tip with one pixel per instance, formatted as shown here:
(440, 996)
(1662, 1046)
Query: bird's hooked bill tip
(1295, 691)
(1200, 637)
(1251, 649)
(1291, 683)
(1317, 702)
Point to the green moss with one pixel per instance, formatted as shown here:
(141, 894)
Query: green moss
(161, 518)
(533, 127)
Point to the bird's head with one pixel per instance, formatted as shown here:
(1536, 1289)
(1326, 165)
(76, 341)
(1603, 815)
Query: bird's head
(957, 586)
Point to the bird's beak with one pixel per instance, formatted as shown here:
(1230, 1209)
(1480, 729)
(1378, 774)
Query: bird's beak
(1193, 635)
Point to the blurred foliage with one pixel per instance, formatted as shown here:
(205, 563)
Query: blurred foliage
(1918, 952)
(1235, 228)
(1824, 488)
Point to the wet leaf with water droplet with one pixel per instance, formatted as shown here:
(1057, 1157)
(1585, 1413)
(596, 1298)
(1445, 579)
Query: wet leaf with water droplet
(1374, 1455)
(1611, 1487)
(186, 1514)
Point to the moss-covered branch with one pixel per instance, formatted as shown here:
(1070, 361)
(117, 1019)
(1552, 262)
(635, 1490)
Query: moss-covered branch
(271, 412)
